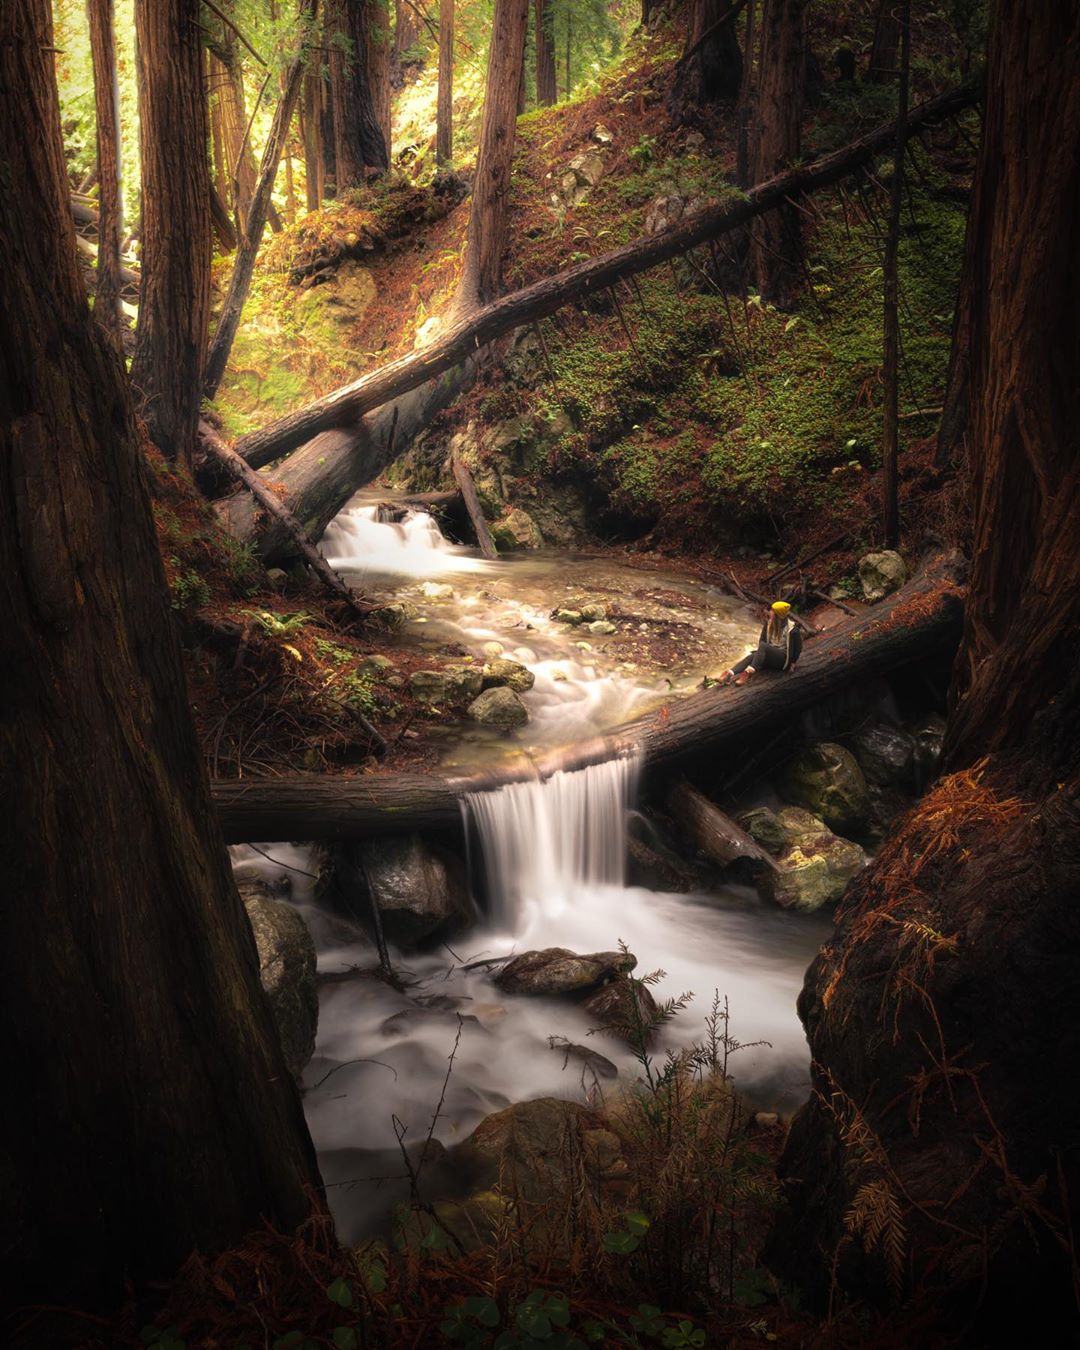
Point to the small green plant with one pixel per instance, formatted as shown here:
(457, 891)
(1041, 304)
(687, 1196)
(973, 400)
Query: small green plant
(187, 589)
(277, 625)
(627, 1239)
(644, 151)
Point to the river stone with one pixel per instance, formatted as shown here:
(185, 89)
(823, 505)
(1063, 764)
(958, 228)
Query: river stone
(619, 1007)
(570, 616)
(590, 1061)
(437, 590)
(512, 674)
(593, 611)
(556, 970)
(813, 874)
(463, 682)
(429, 686)
(929, 734)
(601, 628)
(764, 828)
(376, 665)
(886, 754)
(286, 970)
(499, 707)
(826, 779)
(411, 886)
(516, 530)
(881, 573)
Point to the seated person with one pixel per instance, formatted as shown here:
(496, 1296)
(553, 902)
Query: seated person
(779, 647)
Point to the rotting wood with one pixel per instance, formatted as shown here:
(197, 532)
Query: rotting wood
(464, 480)
(260, 489)
(714, 833)
(481, 326)
(918, 621)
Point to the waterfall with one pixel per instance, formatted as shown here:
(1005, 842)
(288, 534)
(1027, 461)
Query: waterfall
(546, 843)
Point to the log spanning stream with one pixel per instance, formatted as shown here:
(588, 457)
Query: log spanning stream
(550, 859)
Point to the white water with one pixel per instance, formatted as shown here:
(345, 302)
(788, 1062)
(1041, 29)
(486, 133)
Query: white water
(552, 858)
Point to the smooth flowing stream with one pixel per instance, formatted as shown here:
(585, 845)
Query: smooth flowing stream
(549, 857)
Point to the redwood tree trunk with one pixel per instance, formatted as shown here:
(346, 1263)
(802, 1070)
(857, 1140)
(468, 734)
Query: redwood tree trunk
(107, 111)
(376, 17)
(359, 90)
(154, 1112)
(944, 1015)
(487, 237)
(241, 157)
(711, 70)
(174, 297)
(444, 113)
(546, 91)
(890, 440)
(776, 238)
(407, 29)
(314, 172)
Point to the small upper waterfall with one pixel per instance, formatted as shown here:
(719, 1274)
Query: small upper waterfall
(367, 539)
(545, 843)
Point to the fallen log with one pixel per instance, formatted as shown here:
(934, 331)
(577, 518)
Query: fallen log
(922, 619)
(481, 326)
(464, 480)
(262, 492)
(715, 834)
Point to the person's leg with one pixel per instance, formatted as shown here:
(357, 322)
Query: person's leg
(750, 665)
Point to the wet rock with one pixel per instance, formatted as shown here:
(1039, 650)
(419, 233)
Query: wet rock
(376, 665)
(886, 755)
(580, 1055)
(620, 1006)
(499, 707)
(512, 674)
(493, 650)
(593, 611)
(556, 970)
(570, 616)
(881, 573)
(764, 828)
(798, 826)
(650, 869)
(278, 578)
(601, 628)
(826, 779)
(463, 682)
(806, 880)
(393, 616)
(286, 970)
(429, 686)
(516, 530)
(416, 890)
(929, 734)
(435, 590)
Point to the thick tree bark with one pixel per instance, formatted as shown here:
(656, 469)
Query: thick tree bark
(444, 112)
(359, 91)
(107, 115)
(890, 439)
(745, 111)
(174, 298)
(711, 68)
(922, 619)
(222, 222)
(238, 149)
(944, 1014)
(488, 214)
(378, 46)
(776, 246)
(314, 173)
(407, 29)
(154, 1111)
(255, 222)
(544, 297)
(546, 90)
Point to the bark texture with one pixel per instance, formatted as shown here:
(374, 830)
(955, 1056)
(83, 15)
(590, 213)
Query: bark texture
(154, 1111)
(546, 90)
(107, 118)
(444, 112)
(711, 69)
(360, 81)
(311, 116)
(174, 297)
(716, 727)
(488, 215)
(939, 1154)
(776, 238)
(890, 440)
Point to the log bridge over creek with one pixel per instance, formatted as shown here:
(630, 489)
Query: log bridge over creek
(919, 623)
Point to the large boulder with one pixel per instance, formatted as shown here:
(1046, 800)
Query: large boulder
(499, 707)
(622, 1007)
(416, 890)
(556, 971)
(429, 686)
(826, 779)
(813, 873)
(881, 573)
(886, 755)
(929, 734)
(762, 825)
(329, 311)
(463, 682)
(516, 530)
(286, 969)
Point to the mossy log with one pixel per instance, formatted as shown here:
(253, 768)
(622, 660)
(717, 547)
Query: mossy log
(919, 622)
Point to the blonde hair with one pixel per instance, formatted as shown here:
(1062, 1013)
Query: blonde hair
(774, 631)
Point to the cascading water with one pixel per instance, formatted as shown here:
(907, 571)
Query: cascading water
(546, 844)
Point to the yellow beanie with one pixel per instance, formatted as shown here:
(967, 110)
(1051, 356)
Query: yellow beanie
(781, 607)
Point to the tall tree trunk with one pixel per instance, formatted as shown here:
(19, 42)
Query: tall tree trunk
(711, 68)
(327, 130)
(155, 1113)
(310, 122)
(107, 115)
(174, 297)
(546, 91)
(745, 111)
(444, 114)
(407, 30)
(487, 237)
(235, 115)
(776, 239)
(943, 1015)
(890, 440)
(214, 79)
(358, 136)
(376, 16)
(251, 236)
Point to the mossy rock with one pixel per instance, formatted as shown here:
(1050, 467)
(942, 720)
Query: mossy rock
(826, 779)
